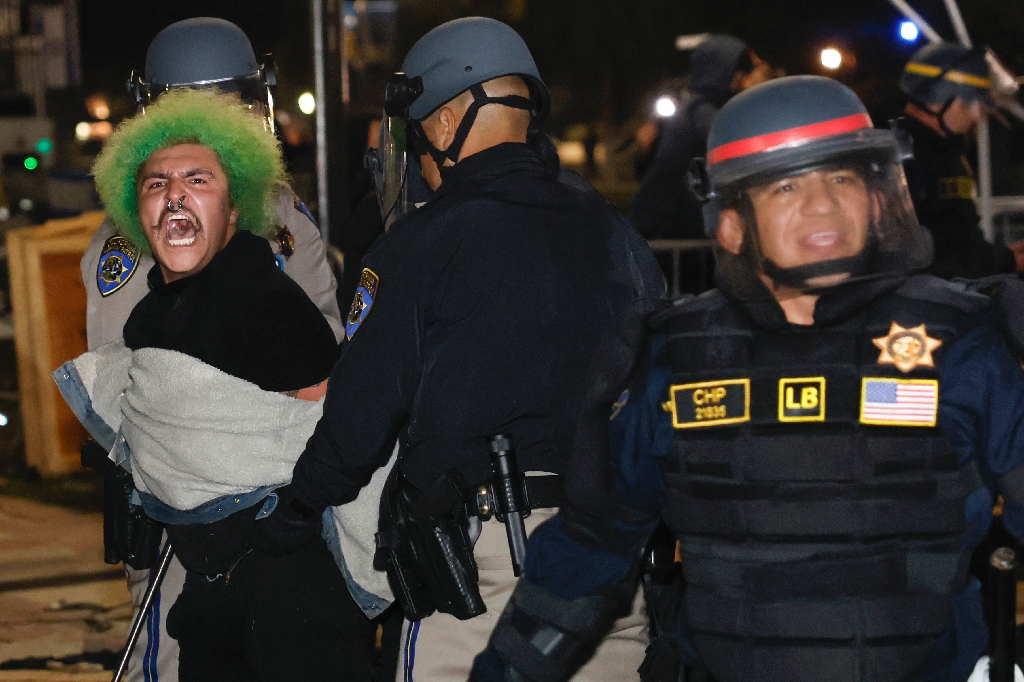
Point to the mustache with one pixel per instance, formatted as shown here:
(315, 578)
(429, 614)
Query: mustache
(184, 211)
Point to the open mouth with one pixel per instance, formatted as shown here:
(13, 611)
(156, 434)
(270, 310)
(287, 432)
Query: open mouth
(181, 230)
(823, 240)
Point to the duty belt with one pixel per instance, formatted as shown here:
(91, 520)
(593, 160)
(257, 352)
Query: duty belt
(539, 492)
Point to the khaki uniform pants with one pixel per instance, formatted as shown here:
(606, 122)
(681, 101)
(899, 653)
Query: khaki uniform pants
(155, 657)
(441, 648)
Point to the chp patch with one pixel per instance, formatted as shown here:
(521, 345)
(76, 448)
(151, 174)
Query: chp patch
(709, 403)
(362, 302)
(802, 399)
(118, 262)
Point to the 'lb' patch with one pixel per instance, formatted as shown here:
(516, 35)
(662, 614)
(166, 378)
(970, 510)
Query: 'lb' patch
(802, 399)
(709, 403)
(362, 302)
(118, 262)
(899, 402)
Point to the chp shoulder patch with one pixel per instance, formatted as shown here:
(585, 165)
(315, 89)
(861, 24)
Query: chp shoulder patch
(709, 403)
(363, 301)
(118, 262)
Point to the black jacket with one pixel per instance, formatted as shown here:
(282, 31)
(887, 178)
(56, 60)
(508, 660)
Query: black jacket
(943, 190)
(510, 303)
(244, 316)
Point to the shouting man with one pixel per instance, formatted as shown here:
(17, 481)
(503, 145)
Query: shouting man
(209, 377)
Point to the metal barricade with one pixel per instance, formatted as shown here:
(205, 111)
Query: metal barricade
(697, 281)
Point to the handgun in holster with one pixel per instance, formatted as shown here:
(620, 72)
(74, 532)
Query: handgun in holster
(129, 535)
(424, 545)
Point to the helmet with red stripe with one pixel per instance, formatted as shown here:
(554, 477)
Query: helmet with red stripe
(787, 128)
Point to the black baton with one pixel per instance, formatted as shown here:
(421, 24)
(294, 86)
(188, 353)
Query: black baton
(147, 604)
(1004, 614)
(508, 493)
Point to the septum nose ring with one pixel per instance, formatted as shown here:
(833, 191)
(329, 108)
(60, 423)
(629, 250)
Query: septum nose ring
(175, 210)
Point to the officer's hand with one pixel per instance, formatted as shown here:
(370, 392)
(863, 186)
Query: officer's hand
(291, 526)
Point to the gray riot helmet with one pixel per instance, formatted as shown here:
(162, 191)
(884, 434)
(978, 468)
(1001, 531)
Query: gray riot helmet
(785, 129)
(205, 52)
(453, 58)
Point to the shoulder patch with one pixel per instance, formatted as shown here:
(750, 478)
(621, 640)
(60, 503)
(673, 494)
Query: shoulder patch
(363, 301)
(118, 262)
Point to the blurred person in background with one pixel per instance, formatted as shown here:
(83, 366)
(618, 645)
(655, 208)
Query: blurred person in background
(948, 87)
(663, 207)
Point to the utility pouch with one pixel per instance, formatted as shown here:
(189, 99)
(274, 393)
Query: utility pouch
(129, 535)
(423, 543)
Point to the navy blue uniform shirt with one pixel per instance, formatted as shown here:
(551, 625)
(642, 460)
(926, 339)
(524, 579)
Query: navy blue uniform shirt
(509, 303)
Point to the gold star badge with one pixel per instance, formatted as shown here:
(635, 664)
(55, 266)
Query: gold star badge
(906, 348)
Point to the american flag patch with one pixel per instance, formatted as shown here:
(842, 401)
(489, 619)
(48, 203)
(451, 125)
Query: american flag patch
(899, 402)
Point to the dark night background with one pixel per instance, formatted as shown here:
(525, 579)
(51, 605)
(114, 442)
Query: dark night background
(598, 56)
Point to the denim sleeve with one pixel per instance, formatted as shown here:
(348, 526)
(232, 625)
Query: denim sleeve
(981, 411)
(572, 564)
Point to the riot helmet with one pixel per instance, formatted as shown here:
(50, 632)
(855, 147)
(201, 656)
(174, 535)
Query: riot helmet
(941, 72)
(205, 52)
(804, 129)
(453, 58)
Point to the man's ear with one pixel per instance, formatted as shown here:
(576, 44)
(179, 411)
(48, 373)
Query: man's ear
(730, 231)
(447, 123)
(233, 219)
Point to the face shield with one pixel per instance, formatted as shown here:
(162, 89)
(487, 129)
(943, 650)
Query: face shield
(843, 215)
(388, 163)
(253, 90)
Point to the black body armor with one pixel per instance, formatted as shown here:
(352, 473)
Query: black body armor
(820, 531)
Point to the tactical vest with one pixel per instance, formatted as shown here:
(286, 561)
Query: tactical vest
(818, 505)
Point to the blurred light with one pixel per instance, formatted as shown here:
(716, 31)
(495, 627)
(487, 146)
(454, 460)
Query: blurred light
(665, 107)
(83, 130)
(3, 419)
(31, 163)
(44, 146)
(572, 153)
(831, 58)
(97, 106)
(909, 31)
(307, 103)
(26, 205)
(93, 131)
(5, 213)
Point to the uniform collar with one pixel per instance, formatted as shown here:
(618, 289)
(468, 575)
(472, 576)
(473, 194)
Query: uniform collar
(502, 159)
(836, 305)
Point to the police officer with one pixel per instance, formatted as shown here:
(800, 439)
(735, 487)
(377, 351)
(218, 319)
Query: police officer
(947, 86)
(508, 304)
(824, 433)
(721, 66)
(195, 53)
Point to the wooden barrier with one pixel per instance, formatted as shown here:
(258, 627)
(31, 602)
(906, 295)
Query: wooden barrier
(48, 301)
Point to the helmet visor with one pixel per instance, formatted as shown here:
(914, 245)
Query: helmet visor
(813, 228)
(389, 165)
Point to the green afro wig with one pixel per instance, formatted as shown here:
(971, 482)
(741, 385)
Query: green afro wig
(250, 157)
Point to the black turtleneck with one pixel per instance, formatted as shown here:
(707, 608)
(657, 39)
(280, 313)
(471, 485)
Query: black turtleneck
(240, 314)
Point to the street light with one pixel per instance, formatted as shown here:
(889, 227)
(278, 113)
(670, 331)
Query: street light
(665, 107)
(831, 58)
(307, 103)
(909, 31)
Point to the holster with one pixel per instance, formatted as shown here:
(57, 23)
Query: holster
(129, 535)
(423, 543)
(663, 587)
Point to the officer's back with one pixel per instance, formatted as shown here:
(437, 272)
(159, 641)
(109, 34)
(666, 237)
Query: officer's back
(509, 277)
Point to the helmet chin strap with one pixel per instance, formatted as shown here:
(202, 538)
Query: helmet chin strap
(480, 99)
(798, 277)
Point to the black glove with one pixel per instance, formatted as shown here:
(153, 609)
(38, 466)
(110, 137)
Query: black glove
(292, 525)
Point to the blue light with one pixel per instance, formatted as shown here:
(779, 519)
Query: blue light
(909, 31)
(3, 419)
